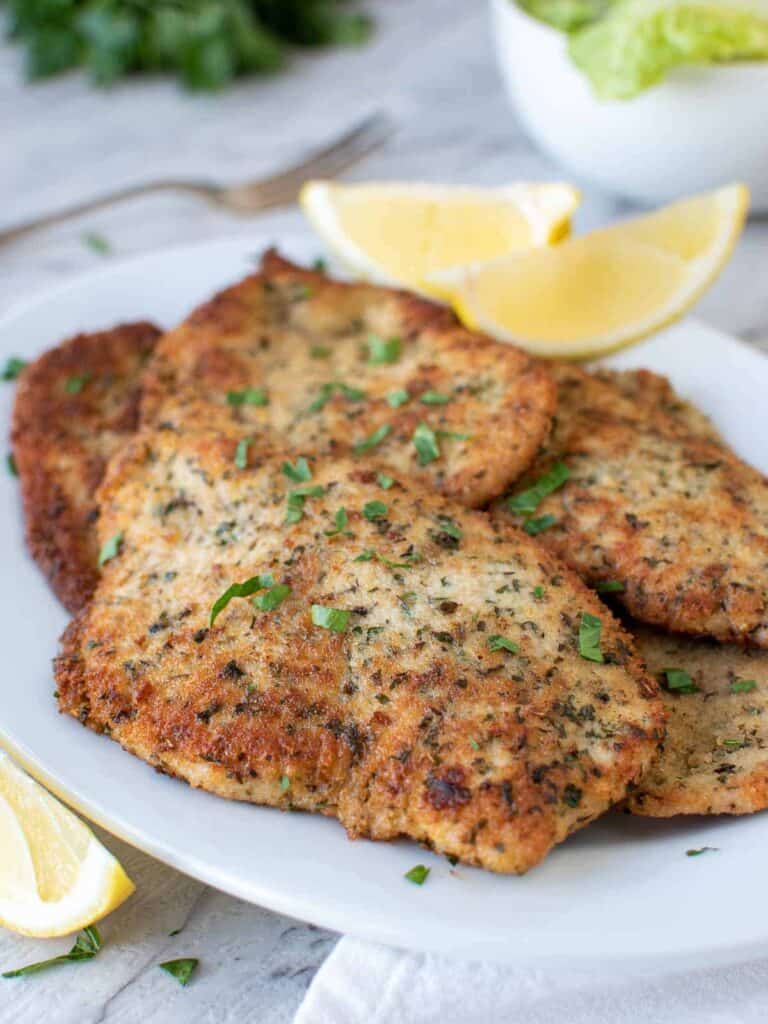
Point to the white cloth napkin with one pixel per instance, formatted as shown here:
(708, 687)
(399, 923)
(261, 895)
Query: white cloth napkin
(363, 983)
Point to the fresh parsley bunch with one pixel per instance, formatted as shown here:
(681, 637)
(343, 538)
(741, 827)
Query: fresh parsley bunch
(207, 42)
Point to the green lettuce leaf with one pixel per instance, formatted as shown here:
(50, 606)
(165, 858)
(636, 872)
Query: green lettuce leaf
(637, 43)
(566, 14)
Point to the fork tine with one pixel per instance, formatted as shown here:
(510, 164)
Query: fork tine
(329, 161)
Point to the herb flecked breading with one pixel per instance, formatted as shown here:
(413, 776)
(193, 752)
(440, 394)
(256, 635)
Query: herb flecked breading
(402, 383)
(422, 691)
(714, 759)
(656, 501)
(75, 406)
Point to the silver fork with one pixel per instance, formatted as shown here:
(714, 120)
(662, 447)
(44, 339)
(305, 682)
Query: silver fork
(251, 196)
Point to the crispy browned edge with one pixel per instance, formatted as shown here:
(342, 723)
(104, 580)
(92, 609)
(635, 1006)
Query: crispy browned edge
(45, 445)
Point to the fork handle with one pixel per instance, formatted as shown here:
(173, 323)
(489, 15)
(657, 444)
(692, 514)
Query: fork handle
(199, 188)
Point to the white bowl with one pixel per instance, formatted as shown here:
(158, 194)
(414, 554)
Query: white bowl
(700, 128)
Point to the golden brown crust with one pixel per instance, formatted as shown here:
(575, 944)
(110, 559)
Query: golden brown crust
(303, 338)
(655, 501)
(62, 440)
(407, 723)
(714, 759)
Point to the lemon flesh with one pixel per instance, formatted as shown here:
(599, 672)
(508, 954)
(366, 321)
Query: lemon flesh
(55, 876)
(398, 234)
(594, 294)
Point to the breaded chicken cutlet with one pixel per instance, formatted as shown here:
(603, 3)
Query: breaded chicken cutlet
(394, 660)
(297, 360)
(75, 406)
(714, 758)
(636, 492)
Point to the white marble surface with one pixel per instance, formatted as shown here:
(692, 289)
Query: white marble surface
(431, 65)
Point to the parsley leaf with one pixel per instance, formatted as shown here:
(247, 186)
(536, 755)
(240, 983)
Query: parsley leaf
(610, 587)
(397, 398)
(335, 619)
(373, 439)
(538, 592)
(374, 510)
(341, 519)
(743, 685)
(385, 481)
(249, 396)
(529, 500)
(590, 628)
(244, 589)
(501, 643)
(426, 445)
(241, 452)
(327, 391)
(320, 352)
(450, 528)
(285, 783)
(74, 385)
(677, 680)
(86, 946)
(538, 524)
(111, 548)
(382, 351)
(299, 473)
(434, 398)
(700, 850)
(418, 874)
(273, 598)
(182, 970)
(297, 498)
(11, 464)
(13, 367)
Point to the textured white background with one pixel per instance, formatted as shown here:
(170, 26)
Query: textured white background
(431, 65)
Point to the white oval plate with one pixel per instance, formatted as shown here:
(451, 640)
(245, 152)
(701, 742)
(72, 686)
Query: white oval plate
(621, 890)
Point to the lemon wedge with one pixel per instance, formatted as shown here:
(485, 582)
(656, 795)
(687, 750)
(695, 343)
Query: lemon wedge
(600, 292)
(398, 233)
(55, 876)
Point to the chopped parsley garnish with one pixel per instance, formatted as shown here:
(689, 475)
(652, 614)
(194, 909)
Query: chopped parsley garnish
(397, 398)
(86, 946)
(700, 850)
(434, 398)
(418, 874)
(327, 391)
(285, 783)
(296, 500)
(273, 598)
(450, 528)
(320, 352)
(425, 442)
(731, 744)
(13, 367)
(538, 592)
(341, 519)
(743, 685)
(474, 744)
(245, 589)
(572, 795)
(182, 970)
(111, 548)
(373, 439)
(11, 464)
(501, 643)
(382, 351)
(374, 510)
(610, 587)
(97, 243)
(538, 524)
(335, 619)
(241, 452)
(319, 265)
(526, 502)
(299, 473)
(677, 680)
(74, 385)
(385, 481)
(369, 555)
(453, 435)
(250, 396)
(589, 637)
